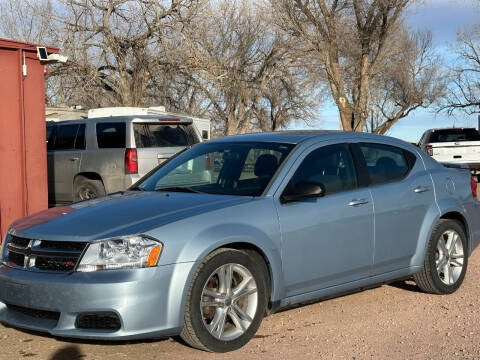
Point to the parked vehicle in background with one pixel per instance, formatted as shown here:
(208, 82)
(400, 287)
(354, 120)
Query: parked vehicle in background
(455, 145)
(235, 228)
(91, 157)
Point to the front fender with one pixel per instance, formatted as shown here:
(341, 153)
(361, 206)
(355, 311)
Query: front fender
(233, 233)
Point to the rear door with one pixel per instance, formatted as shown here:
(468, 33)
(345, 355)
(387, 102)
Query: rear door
(157, 142)
(402, 192)
(65, 144)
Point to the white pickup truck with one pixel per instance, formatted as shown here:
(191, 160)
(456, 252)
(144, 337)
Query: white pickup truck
(454, 145)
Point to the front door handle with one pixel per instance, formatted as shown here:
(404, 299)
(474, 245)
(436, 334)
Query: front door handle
(74, 159)
(420, 189)
(357, 202)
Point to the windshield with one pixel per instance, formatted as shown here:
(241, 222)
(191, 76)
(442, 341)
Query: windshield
(226, 168)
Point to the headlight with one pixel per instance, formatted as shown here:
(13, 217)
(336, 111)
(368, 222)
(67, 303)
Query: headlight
(126, 252)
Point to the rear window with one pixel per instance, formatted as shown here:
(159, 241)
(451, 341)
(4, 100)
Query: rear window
(454, 135)
(111, 135)
(163, 135)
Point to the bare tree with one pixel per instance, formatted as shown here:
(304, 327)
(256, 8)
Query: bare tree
(463, 92)
(119, 49)
(28, 20)
(411, 77)
(349, 37)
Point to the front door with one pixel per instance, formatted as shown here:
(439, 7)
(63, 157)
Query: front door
(326, 241)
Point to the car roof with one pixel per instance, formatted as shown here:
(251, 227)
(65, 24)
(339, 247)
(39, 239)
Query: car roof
(297, 136)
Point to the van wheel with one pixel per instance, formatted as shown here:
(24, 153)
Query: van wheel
(85, 188)
(446, 259)
(225, 303)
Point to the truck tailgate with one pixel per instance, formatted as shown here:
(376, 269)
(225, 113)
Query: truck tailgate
(459, 152)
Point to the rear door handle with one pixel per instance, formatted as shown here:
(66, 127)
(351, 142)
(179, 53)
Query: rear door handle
(357, 202)
(420, 189)
(74, 159)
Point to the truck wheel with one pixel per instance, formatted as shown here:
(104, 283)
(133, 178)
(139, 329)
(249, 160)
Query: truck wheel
(85, 188)
(446, 259)
(226, 302)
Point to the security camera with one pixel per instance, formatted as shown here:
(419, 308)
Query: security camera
(57, 58)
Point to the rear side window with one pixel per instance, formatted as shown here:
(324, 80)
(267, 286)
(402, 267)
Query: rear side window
(385, 163)
(161, 135)
(454, 135)
(111, 135)
(331, 166)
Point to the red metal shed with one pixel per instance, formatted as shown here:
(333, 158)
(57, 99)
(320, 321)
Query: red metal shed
(23, 159)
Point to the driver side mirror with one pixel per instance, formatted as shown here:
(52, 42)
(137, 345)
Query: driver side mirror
(303, 190)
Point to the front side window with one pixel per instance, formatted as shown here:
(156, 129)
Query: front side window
(329, 166)
(236, 168)
(385, 163)
(111, 135)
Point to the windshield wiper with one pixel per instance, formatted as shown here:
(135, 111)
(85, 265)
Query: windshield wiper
(136, 188)
(185, 189)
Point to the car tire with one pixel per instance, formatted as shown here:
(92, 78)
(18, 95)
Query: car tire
(85, 188)
(445, 264)
(203, 327)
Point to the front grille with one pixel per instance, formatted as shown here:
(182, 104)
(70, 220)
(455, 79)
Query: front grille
(105, 321)
(35, 313)
(44, 255)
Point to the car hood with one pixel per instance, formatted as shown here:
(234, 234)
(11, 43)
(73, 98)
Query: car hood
(118, 214)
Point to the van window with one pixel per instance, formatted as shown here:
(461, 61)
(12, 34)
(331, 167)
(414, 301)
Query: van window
(161, 135)
(111, 135)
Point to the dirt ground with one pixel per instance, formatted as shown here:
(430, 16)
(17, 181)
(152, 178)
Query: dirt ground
(390, 322)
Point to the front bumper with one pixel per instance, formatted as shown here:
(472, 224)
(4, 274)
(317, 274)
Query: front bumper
(149, 302)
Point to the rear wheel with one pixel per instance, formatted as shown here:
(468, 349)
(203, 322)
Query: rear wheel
(446, 259)
(85, 188)
(226, 302)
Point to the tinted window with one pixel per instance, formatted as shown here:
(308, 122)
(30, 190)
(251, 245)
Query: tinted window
(80, 139)
(331, 166)
(238, 168)
(384, 163)
(51, 130)
(111, 135)
(158, 135)
(65, 137)
(454, 135)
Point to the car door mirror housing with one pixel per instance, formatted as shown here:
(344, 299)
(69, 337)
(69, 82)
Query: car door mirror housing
(303, 190)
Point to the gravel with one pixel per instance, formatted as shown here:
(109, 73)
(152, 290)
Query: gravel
(393, 321)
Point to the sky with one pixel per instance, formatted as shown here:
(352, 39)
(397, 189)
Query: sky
(444, 18)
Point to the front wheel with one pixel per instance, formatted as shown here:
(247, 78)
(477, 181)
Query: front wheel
(226, 302)
(446, 259)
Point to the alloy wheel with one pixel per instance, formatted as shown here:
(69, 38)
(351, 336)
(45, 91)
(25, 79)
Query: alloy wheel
(449, 257)
(229, 301)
